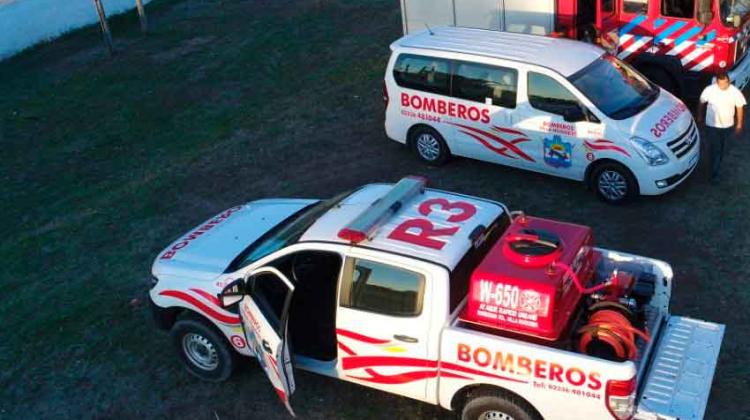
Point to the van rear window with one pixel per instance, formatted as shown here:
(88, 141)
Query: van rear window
(428, 74)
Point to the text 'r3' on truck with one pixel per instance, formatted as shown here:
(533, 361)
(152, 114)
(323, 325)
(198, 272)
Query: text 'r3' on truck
(441, 297)
(678, 44)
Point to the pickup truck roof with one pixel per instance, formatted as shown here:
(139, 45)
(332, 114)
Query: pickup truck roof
(439, 206)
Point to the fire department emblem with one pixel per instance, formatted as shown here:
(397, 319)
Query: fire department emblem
(557, 153)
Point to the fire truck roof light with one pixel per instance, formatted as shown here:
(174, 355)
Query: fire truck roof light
(367, 222)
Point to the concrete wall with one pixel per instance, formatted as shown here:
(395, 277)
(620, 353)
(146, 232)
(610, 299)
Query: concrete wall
(24, 23)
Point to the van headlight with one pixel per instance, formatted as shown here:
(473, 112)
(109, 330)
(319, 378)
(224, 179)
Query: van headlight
(649, 152)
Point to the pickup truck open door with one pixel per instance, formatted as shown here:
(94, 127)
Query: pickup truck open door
(264, 299)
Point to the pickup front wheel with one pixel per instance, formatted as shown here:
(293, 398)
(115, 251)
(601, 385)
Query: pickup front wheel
(497, 405)
(204, 352)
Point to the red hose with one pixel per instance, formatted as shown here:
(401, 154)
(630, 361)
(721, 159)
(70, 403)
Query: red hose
(577, 282)
(614, 329)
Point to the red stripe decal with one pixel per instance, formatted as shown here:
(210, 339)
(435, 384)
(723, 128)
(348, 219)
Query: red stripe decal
(501, 151)
(346, 349)
(605, 145)
(698, 59)
(453, 366)
(369, 361)
(508, 130)
(401, 378)
(282, 394)
(500, 140)
(360, 337)
(227, 319)
(208, 296)
(446, 374)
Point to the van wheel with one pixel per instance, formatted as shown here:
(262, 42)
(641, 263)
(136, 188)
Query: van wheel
(614, 184)
(204, 352)
(429, 145)
(497, 405)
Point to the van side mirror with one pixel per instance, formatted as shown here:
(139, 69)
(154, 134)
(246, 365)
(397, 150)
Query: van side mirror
(705, 15)
(232, 293)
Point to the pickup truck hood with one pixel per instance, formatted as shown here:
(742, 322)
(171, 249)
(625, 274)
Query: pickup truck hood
(663, 120)
(205, 251)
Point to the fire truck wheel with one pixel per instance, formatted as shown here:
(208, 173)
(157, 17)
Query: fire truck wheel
(205, 353)
(497, 405)
(429, 145)
(613, 183)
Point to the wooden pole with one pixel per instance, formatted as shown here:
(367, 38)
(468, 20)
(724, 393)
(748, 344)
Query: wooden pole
(104, 26)
(142, 15)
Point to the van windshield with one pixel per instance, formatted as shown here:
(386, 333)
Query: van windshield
(615, 88)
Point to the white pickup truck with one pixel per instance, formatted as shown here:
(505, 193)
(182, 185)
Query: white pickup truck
(441, 297)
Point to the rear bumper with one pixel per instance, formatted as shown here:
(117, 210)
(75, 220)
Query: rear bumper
(740, 74)
(678, 380)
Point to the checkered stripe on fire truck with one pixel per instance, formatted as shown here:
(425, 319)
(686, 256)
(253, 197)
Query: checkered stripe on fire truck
(690, 43)
(413, 369)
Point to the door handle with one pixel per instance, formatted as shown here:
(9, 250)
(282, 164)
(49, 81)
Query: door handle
(405, 338)
(266, 347)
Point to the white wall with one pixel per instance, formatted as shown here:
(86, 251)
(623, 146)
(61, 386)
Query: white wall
(24, 23)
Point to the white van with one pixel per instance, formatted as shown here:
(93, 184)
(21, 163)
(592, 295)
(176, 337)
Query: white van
(549, 105)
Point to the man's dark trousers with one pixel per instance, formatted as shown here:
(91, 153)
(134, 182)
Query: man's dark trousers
(717, 138)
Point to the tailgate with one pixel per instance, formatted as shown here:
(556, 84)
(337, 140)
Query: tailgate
(679, 377)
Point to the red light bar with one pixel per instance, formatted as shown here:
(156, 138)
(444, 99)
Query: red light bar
(365, 225)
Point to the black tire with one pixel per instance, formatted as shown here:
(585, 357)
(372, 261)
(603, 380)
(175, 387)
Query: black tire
(429, 145)
(195, 336)
(614, 183)
(662, 78)
(483, 402)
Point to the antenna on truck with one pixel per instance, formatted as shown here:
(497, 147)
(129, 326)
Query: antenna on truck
(428, 29)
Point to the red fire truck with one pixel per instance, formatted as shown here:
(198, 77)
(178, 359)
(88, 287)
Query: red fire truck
(679, 44)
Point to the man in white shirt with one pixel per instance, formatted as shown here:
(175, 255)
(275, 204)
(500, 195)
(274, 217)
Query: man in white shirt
(725, 105)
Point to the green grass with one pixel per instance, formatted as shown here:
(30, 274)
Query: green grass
(105, 161)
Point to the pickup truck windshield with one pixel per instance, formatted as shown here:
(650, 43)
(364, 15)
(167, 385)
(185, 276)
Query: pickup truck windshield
(731, 8)
(615, 88)
(285, 233)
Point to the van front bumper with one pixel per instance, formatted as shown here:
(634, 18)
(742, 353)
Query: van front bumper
(659, 180)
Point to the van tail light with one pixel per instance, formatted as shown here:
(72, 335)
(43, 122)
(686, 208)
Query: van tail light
(620, 398)
(385, 94)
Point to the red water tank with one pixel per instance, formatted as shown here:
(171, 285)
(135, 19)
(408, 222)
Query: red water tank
(521, 285)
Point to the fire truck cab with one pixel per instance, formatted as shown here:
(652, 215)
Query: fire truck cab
(444, 298)
(679, 44)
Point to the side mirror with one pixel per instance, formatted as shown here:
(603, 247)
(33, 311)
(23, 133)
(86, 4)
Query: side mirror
(232, 293)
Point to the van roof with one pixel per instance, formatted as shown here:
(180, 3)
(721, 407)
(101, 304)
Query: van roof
(562, 55)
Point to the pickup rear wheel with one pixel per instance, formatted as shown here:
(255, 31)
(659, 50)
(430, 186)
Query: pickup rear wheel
(204, 352)
(497, 405)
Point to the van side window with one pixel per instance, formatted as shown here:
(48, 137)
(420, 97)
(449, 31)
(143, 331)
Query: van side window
(381, 288)
(477, 82)
(546, 94)
(428, 74)
(635, 6)
(678, 8)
